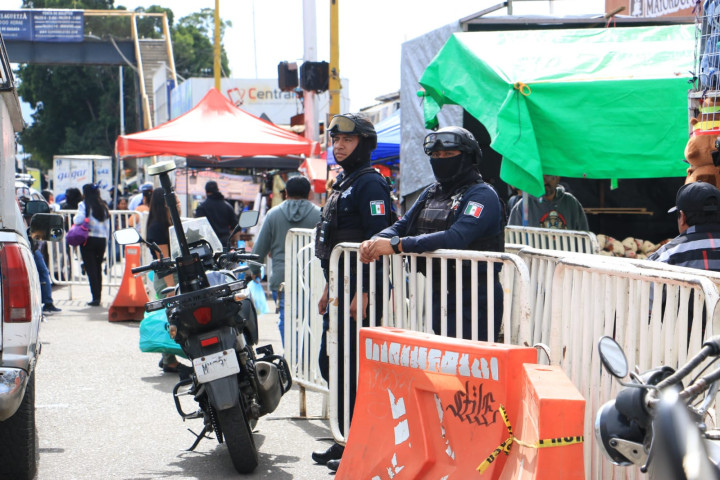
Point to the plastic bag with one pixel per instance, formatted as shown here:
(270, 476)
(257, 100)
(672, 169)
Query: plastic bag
(154, 336)
(258, 297)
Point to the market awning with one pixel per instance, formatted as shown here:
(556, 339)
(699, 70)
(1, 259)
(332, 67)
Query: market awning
(216, 130)
(590, 103)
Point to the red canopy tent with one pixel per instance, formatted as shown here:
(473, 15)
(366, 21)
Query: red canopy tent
(215, 128)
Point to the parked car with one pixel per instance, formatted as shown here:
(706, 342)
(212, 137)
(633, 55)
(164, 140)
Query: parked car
(20, 305)
(22, 190)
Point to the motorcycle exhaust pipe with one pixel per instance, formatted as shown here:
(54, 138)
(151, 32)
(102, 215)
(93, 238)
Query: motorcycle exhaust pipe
(269, 384)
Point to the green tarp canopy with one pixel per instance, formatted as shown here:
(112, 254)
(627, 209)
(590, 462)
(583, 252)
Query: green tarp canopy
(589, 103)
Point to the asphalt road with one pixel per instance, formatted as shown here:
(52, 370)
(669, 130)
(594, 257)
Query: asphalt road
(105, 410)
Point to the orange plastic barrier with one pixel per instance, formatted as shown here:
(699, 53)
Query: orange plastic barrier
(553, 411)
(129, 303)
(428, 406)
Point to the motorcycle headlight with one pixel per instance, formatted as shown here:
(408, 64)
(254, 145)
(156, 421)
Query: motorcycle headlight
(612, 427)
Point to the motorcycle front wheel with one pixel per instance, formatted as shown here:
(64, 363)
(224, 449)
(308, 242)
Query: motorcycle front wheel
(238, 438)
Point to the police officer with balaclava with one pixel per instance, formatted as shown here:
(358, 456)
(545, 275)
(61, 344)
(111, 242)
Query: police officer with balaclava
(357, 208)
(460, 212)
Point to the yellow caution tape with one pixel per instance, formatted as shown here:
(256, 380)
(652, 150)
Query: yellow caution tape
(709, 125)
(522, 88)
(507, 444)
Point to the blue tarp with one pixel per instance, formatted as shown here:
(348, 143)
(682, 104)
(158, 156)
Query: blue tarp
(388, 149)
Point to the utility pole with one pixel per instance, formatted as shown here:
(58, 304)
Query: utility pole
(334, 81)
(310, 55)
(216, 53)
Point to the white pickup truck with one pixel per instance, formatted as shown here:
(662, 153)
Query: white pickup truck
(20, 305)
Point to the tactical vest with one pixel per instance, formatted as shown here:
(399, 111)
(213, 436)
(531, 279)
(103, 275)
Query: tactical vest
(440, 211)
(327, 234)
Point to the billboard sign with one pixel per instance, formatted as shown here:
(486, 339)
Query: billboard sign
(42, 25)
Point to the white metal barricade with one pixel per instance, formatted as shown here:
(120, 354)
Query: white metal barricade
(552, 239)
(304, 285)
(406, 302)
(659, 317)
(65, 262)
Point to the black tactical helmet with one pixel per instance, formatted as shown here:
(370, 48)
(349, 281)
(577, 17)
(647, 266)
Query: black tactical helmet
(350, 124)
(453, 138)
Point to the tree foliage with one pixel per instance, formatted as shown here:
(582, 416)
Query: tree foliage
(77, 108)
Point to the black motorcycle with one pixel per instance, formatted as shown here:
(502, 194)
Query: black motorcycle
(657, 424)
(215, 323)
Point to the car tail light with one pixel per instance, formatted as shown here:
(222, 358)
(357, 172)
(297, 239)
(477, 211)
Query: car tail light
(209, 341)
(203, 315)
(16, 296)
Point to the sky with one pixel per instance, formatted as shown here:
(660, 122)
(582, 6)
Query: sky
(266, 32)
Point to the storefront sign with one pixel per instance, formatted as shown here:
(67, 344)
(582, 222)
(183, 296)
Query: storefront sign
(652, 8)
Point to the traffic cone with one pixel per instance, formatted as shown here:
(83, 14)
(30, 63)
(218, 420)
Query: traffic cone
(129, 303)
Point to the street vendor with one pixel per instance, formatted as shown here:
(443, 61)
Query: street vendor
(556, 208)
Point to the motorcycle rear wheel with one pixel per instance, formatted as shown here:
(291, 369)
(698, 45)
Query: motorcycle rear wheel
(239, 439)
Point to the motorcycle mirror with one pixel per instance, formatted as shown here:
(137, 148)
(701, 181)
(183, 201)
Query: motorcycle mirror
(248, 218)
(127, 236)
(46, 226)
(613, 357)
(33, 207)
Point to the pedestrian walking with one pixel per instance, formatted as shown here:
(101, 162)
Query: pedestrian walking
(93, 211)
(218, 211)
(295, 212)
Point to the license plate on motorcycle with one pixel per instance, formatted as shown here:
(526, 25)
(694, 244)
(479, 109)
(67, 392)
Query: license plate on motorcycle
(216, 365)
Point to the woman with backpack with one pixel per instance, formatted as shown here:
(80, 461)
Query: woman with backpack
(93, 211)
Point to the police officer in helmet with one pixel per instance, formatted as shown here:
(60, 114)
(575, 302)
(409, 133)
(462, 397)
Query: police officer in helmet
(460, 212)
(357, 208)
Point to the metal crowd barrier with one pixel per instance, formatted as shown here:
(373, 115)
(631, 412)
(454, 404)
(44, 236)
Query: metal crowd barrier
(552, 239)
(304, 285)
(65, 262)
(406, 299)
(659, 313)
(660, 317)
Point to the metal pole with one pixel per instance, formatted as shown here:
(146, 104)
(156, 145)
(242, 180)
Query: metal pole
(334, 83)
(122, 132)
(310, 55)
(216, 55)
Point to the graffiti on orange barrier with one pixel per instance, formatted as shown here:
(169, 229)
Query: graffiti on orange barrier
(473, 407)
(432, 359)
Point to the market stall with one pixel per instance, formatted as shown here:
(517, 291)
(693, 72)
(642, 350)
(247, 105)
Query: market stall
(593, 103)
(215, 130)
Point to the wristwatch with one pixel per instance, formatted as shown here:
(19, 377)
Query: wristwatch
(395, 244)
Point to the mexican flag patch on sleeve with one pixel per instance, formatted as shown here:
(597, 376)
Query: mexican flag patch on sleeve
(474, 209)
(377, 207)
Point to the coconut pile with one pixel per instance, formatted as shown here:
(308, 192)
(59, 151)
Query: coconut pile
(629, 248)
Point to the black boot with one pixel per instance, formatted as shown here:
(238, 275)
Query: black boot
(333, 465)
(333, 453)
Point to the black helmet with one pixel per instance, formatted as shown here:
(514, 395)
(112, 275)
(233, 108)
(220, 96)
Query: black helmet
(453, 138)
(350, 124)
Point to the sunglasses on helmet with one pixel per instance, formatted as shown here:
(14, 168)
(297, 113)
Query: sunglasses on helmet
(342, 124)
(442, 141)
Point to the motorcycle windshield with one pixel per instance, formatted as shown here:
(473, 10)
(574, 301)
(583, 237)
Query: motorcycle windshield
(196, 229)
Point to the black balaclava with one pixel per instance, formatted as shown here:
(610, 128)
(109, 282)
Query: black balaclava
(451, 170)
(358, 158)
